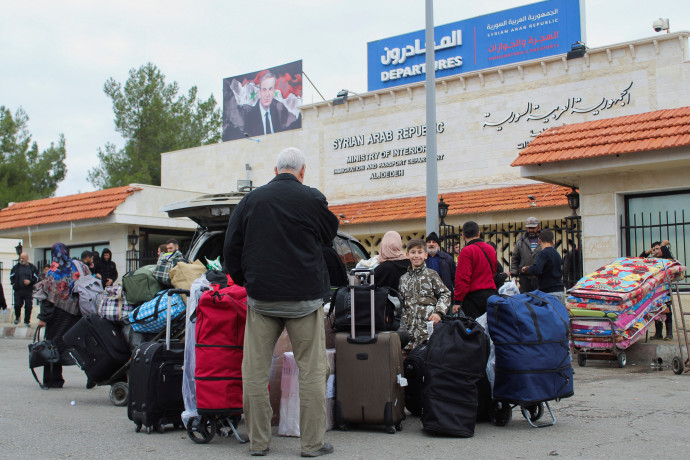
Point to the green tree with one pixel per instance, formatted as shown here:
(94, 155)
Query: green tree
(153, 119)
(26, 173)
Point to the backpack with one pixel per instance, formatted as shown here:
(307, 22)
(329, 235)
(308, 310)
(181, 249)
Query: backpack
(87, 287)
(140, 286)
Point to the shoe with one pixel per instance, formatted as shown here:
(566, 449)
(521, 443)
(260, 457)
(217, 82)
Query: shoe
(16, 321)
(27, 324)
(656, 337)
(259, 453)
(669, 337)
(325, 450)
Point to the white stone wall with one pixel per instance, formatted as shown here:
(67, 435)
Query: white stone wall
(474, 156)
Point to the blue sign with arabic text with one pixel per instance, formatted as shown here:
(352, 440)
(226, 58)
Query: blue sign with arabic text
(506, 37)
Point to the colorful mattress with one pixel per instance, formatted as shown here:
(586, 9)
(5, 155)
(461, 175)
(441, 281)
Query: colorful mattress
(623, 282)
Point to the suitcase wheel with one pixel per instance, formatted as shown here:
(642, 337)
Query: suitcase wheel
(390, 429)
(399, 426)
(535, 411)
(119, 394)
(201, 429)
(160, 428)
(138, 428)
(501, 413)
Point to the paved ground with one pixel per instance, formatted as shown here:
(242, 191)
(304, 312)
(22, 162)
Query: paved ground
(615, 412)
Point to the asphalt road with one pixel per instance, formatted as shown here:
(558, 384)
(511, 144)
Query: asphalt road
(614, 413)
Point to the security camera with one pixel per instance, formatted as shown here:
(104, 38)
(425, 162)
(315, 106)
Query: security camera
(660, 24)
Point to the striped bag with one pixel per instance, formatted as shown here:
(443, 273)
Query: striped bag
(112, 304)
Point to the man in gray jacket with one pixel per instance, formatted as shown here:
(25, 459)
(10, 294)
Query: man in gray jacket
(525, 251)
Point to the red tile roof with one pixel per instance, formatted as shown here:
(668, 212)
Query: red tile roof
(89, 205)
(656, 130)
(470, 202)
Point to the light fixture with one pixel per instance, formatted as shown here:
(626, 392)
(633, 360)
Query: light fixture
(19, 248)
(341, 97)
(133, 238)
(443, 209)
(577, 50)
(573, 200)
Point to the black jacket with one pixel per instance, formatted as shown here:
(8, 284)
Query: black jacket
(388, 273)
(16, 282)
(446, 269)
(275, 239)
(107, 270)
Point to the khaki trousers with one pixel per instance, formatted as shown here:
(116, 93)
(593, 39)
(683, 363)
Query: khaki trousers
(309, 346)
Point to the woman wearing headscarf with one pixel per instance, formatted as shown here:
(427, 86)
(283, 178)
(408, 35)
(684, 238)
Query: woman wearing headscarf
(59, 309)
(393, 261)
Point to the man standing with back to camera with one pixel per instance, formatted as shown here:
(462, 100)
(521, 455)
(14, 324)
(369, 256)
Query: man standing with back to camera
(273, 247)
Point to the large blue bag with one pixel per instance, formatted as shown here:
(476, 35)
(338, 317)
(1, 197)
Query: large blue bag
(151, 316)
(530, 335)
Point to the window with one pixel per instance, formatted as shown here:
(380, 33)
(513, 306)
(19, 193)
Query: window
(657, 217)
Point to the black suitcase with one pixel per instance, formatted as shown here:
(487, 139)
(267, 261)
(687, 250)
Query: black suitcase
(98, 347)
(368, 375)
(455, 363)
(414, 373)
(155, 383)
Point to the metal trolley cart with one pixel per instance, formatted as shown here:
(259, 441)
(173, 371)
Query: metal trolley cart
(610, 351)
(679, 364)
(502, 412)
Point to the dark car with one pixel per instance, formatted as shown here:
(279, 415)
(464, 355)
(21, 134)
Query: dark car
(212, 212)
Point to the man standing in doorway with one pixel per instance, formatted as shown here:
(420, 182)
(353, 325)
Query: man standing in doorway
(525, 251)
(23, 276)
(273, 247)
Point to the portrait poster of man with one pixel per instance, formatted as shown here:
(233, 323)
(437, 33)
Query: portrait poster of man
(263, 102)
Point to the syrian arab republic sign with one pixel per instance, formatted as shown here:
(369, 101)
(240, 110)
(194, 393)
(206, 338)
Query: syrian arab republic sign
(506, 37)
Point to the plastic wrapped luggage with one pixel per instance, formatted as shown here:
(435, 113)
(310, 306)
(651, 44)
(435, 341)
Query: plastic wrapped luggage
(98, 347)
(530, 335)
(155, 383)
(455, 363)
(369, 380)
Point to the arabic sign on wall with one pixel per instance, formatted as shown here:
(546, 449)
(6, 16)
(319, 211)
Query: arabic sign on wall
(263, 102)
(506, 37)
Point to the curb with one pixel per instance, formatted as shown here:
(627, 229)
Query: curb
(17, 332)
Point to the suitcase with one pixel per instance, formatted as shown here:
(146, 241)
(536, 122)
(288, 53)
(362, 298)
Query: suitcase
(98, 347)
(220, 320)
(369, 380)
(455, 363)
(155, 382)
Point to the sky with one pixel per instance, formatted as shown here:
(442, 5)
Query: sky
(55, 56)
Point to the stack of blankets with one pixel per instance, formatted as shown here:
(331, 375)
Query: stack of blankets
(631, 292)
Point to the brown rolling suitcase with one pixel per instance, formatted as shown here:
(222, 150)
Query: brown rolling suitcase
(369, 372)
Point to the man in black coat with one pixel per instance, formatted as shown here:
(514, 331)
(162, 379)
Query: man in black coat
(274, 248)
(268, 115)
(23, 276)
(440, 261)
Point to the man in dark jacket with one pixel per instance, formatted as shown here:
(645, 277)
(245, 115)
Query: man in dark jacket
(273, 247)
(23, 276)
(440, 261)
(474, 277)
(525, 251)
(547, 267)
(106, 270)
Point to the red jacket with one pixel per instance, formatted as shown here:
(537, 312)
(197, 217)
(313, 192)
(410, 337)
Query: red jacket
(474, 272)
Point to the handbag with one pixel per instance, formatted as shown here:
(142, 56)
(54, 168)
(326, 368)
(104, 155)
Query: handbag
(499, 277)
(152, 315)
(42, 353)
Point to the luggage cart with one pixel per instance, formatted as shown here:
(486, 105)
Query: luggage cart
(680, 365)
(612, 352)
(501, 413)
(203, 428)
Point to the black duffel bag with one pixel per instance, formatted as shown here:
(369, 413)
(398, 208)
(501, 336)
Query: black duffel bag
(387, 312)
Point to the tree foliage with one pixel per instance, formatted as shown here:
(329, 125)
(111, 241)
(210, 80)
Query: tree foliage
(153, 119)
(26, 173)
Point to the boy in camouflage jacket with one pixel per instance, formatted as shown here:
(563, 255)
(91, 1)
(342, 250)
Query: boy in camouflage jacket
(426, 297)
